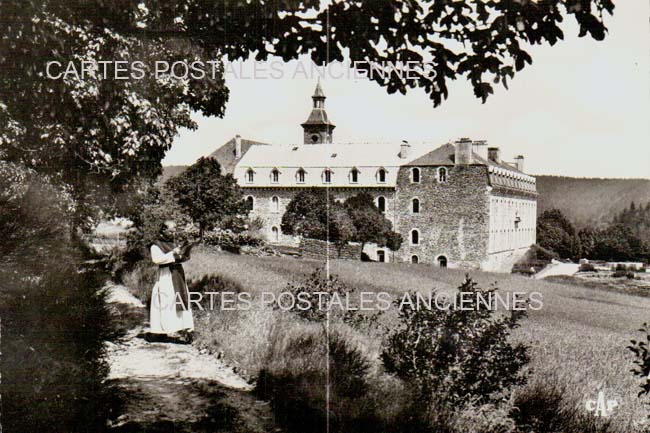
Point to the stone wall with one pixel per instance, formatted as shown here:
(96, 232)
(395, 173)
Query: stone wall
(317, 249)
(453, 218)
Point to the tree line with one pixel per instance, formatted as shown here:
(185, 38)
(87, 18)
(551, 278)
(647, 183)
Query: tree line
(625, 238)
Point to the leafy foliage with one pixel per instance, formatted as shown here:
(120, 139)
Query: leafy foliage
(556, 233)
(113, 132)
(459, 354)
(642, 361)
(206, 195)
(371, 225)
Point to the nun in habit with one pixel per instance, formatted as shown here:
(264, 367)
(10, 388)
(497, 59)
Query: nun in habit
(170, 310)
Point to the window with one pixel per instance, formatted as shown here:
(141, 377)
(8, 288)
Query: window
(250, 175)
(354, 175)
(275, 204)
(415, 205)
(381, 256)
(415, 237)
(442, 175)
(300, 176)
(381, 175)
(442, 261)
(275, 234)
(415, 259)
(381, 204)
(415, 175)
(250, 200)
(275, 175)
(517, 221)
(315, 138)
(327, 176)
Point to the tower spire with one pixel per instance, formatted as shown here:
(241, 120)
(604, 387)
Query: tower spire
(318, 128)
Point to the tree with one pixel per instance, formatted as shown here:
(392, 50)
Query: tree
(206, 195)
(371, 225)
(307, 214)
(97, 133)
(556, 233)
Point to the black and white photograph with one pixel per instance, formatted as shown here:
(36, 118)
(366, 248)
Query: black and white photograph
(324, 216)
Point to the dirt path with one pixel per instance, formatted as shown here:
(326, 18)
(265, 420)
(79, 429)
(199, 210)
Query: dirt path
(174, 387)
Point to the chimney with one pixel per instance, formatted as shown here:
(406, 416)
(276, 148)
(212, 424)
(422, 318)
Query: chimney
(237, 146)
(479, 147)
(494, 154)
(519, 163)
(463, 153)
(404, 149)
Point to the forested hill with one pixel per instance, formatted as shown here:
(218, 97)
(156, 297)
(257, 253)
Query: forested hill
(590, 200)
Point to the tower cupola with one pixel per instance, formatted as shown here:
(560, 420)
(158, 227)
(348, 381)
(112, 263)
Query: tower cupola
(318, 128)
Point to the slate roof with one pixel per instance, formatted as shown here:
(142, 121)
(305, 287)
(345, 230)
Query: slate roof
(226, 153)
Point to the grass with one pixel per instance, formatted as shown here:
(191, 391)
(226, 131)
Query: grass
(578, 338)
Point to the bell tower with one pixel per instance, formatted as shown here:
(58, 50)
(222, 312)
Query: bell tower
(317, 128)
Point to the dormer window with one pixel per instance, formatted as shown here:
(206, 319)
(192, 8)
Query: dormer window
(327, 176)
(300, 176)
(381, 175)
(354, 175)
(442, 175)
(275, 176)
(415, 175)
(250, 175)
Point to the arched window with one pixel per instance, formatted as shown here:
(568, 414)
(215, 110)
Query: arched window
(275, 234)
(250, 175)
(250, 200)
(381, 175)
(300, 176)
(415, 175)
(327, 176)
(415, 205)
(442, 261)
(381, 256)
(442, 175)
(381, 204)
(354, 175)
(275, 204)
(415, 237)
(415, 259)
(275, 175)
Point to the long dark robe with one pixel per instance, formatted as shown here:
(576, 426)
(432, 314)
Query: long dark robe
(178, 274)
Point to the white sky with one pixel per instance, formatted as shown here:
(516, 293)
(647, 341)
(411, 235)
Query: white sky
(581, 109)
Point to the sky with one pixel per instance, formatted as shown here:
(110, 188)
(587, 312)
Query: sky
(582, 108)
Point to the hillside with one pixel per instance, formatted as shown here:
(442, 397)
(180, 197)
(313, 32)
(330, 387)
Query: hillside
(170, 171)
(590, 200)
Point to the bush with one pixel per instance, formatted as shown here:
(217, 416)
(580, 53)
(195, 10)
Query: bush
(641, 352)
(586, 267)
(542, 408)
(141, 279)
(623, 274)
(445, 354)
(214, 283)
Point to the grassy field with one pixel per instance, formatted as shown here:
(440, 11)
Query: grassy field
(577, 339)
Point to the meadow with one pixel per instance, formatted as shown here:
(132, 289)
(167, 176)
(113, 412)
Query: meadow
(578, 338)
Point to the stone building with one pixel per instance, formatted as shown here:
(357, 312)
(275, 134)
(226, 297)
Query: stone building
(456, 205)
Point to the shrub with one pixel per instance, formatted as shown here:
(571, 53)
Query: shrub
(586, 267)
(214, 283)
(641, 352)
(542, 408)
(445, 353)
(141, 279)
(623, 274)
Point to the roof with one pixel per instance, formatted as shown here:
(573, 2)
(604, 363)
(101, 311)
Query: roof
(226, 153)
(367, 158)
(318, 93)
(318, 116)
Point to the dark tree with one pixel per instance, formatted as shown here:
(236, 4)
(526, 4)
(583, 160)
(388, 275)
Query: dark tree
(371, 225)
(307, 214)
(206, 195)
(556, 233)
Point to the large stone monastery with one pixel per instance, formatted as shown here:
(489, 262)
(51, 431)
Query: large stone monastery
(457, 205)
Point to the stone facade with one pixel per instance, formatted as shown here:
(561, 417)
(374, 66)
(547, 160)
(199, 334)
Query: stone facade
(317, 249)
(453, 217)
